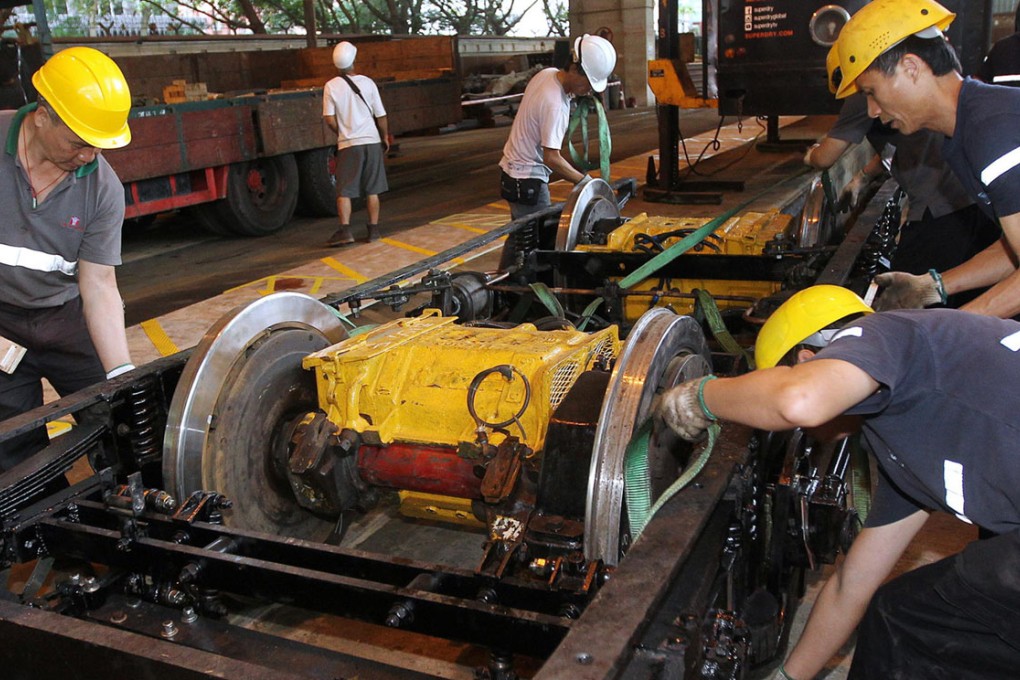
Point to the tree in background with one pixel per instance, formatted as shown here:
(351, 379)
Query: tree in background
(557, 16)
(396, 17)
(475, 17)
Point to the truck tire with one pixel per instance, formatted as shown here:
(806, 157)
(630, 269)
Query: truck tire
(317, 182)
(261, 195)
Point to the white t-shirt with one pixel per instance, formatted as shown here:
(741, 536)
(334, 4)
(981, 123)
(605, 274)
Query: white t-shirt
(355, 122)
(541, 122)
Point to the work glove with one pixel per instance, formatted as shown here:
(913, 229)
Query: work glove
(682, 410)
(909, 291)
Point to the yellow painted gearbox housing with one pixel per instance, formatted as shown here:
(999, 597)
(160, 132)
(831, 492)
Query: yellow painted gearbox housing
(745, 234)
(408, 380)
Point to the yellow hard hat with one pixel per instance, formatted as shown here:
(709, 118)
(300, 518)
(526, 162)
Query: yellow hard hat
(88, 91)
(805, 313)
(831, 64)
(878, 26)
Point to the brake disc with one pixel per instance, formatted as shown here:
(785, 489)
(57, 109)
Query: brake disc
(240, 389)
(587, 204)
(662, 350)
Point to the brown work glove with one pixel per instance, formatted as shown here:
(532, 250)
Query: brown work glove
(909, 291)
(680, 408)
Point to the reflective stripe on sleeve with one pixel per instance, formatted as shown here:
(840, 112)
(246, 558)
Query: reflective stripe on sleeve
(1007, 78)
(36, 261)
(1002, 164)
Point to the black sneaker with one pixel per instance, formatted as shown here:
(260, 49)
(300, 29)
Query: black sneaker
(341, 237)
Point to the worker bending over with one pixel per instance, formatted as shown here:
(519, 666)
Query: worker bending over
(532, 151)
(895, 53)
(935, 392)
(60, 236)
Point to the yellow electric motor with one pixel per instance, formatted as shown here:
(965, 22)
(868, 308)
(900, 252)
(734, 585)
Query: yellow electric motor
(431, 381)
(745, 234)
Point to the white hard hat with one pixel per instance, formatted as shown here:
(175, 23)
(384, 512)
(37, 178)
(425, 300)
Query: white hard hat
(597, 58)
(343, 55)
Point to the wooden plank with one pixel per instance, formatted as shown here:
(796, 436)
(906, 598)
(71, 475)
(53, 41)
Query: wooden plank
(184, 139)
(292, 124)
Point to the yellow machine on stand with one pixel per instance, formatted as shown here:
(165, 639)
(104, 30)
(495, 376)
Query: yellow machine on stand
(747, 234)
(618, 268)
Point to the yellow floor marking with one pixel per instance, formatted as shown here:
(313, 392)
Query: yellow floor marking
(160, 340)
(272, 281)
(415, 249)
(55, 428)
(344, 269)
(469, 220)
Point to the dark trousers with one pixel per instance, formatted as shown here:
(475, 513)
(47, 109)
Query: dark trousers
(956, 619)
(59, 350)
(941, 243)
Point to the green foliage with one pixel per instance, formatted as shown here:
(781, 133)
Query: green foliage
(397, 17)
(476, 17)
(557, 16)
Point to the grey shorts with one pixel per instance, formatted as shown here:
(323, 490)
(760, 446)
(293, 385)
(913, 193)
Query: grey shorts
(360, 171)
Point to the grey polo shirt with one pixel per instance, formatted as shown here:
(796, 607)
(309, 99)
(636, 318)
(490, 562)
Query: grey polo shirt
(80, 219)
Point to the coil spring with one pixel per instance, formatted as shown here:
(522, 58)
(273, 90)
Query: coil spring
(525, 239)
(878, 249)
(144, 436)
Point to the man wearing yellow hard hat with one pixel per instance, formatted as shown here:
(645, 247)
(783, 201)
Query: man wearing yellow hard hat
(63, 208)
(895, 53)
(935, 395)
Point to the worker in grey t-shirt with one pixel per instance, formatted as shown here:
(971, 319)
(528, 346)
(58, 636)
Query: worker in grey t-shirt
(60, 236)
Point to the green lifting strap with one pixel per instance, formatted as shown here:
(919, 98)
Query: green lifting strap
(679, 248)
(340, 315)
(707, 310)
(860, 472)
(829, 188)
(546, 297)
(637, 487)
(579, 116)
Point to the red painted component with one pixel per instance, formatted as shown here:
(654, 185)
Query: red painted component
(416, 467)
(207, 184)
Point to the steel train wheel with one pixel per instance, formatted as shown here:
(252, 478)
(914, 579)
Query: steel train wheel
(242, 385)
(588, 203)
(817, 220)
(662, 350)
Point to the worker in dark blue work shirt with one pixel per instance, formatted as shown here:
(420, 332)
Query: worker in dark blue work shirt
(935, 394)
(895, 53)
(1002, 64)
